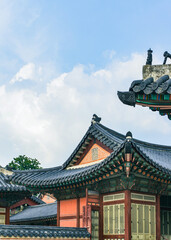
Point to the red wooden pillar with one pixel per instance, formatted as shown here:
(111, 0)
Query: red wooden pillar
(7, 220)
(127, 215)
(78, 212)
(86, 208)
(58, 213)
(158, 227)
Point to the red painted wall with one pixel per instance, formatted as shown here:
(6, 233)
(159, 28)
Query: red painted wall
(48, 198)
(68, 223)
(68, 207)
(68, 212)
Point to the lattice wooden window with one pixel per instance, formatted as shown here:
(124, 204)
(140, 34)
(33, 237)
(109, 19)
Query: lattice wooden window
(165, 222)
(114, 197)
(114, 219)
(2, 210)
(94, 225)
(2, 219)
(143, 221)
(2, 215)
(94, 154)
(143, 197)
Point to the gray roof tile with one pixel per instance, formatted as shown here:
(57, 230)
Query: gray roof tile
(6, 186)
(42, 231)
(37, 200)
(37, 212)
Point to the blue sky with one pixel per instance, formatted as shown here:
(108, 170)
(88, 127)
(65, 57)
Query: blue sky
(62, 61)
(67, 33)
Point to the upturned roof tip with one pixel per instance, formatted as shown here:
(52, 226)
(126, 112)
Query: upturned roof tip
(95, 119)
(128, 135)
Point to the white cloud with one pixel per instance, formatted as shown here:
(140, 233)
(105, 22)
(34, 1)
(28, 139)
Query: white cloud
(27, 72)
(48, 125)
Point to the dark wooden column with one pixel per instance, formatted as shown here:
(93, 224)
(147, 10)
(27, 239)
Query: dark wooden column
(7, 220)
(158, 227)
(58, 213)
(78, 212)
(127, 215)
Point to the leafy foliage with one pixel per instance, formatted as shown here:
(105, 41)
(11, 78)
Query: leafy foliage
(23, 162)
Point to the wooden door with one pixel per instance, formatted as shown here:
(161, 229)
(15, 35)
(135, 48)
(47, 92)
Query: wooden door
(94, 224)
(143, 221)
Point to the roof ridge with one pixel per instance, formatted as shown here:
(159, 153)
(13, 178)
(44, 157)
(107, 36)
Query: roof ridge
(33, 218)
(42, 205)
(122, 136)
(37, 199)
(153, 145)
(38, 170)
(43, 231)
(41, 227)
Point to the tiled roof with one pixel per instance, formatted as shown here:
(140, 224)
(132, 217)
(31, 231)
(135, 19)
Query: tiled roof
(157, 155)
(36, 200)
(37, 212)
(6, 186)
(42, 232)
(50, 177)
(53, 176)
(147, 87)
(10, 193)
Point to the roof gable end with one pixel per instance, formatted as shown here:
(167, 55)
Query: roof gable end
(96, 132)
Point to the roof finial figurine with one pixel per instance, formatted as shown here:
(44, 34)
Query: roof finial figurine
(166, 55)
(149, 57)
(95, 119)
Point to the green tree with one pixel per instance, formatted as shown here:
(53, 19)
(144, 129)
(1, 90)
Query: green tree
(23, 162)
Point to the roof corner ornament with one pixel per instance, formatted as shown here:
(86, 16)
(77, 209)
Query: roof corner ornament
(149, 57)
(129, 135)
(127, 98)
(128, 153)
(95, 119)
(166, 55)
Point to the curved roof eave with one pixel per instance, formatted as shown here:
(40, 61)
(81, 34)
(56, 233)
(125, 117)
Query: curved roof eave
(117, 140)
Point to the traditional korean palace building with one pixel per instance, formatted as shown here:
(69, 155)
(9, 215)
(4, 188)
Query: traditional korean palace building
(116, 186)
(10, 194)
(112, 187)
